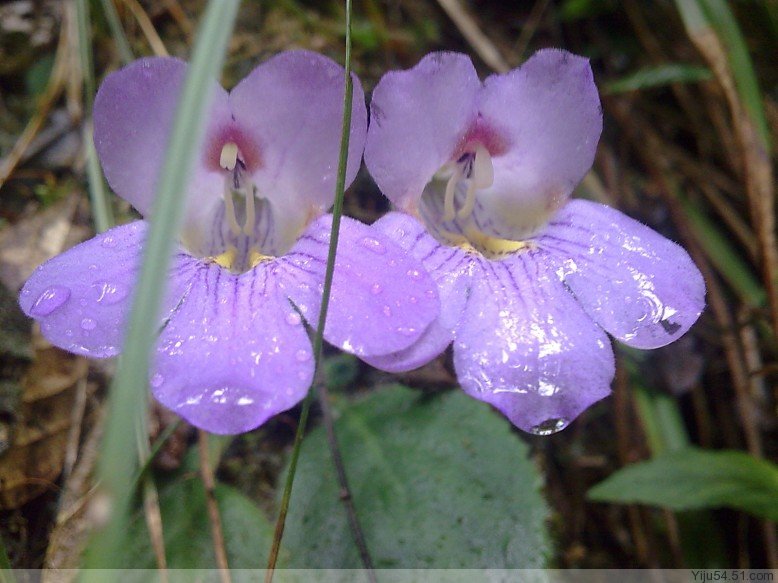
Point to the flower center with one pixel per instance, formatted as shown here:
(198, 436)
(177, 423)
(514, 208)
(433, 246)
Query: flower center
(240, 194)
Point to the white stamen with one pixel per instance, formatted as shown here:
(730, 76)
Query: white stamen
(482, 176)
(229, 207)
(229, 156)
(448, 202)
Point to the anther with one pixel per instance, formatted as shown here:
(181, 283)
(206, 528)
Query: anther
(229, 156)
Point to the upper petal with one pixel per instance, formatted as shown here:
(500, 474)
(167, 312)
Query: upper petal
(382, 300)
(234, 354)
(417, 119)
(291, 107)
(82, 297)
(641, 287)
(548, 111)
(451, 269)
(526, 346)
(133, 117)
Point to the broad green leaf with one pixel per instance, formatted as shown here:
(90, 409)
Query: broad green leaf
(696, 478)
(438, 481)
(187, 530)
(659, 76)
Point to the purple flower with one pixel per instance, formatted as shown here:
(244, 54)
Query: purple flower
(529, 281)
(233, 350)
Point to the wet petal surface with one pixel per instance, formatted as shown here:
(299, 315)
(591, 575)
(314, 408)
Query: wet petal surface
(83, 296)
(450, 268)
(639, 286)
(382, 300)
(234, 354)
(527, 347)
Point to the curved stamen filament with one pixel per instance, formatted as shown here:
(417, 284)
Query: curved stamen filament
(229, 207)
(251, 210)
(478, 170)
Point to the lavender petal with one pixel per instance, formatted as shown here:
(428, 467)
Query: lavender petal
(526, 346)
(639, 286)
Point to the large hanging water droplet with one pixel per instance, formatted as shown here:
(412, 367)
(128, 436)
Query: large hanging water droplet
(108, 293)
(88, 324)
(51, 299)
(373, 245)
(550, 426)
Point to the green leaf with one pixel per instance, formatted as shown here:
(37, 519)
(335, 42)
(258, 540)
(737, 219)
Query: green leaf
(187, 530)
(438, 481)
(696, 478)
(658, 76)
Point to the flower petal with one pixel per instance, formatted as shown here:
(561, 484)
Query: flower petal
(417, 118)
(382, 300)
(450, 268)
(291, 106)
(639, 286)
(82, 297)
(133, 117)
(528, 348)
(549, 112)
(234, 354)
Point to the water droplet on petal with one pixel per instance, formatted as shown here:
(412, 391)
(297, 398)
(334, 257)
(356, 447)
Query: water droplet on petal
(430, 293)
(156, 380)
(373, 245)
(414, 274)
(406, 331)
(51, 299)
(387, 311)
(109, 241)
(550, 426)
(110, 293)
(376, 289)
(413, 300)
(302, 355)
(293, 318)
(88, 324)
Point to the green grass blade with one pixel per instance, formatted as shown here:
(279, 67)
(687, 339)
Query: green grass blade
(337, 212)
(658, 77)
(128, 399)
(98, 195)
(122, 44)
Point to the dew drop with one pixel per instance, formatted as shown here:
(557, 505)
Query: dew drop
(51, 299)
(88, 324)
(109, 241)
(110, 293)
(406, 331)
(414, 274)
(156, 380)
(293, 319)
(373, 245)
(302, 355)
(376, 289)
(413, 300)
(550, 426)
(430, 293)
(387, 311)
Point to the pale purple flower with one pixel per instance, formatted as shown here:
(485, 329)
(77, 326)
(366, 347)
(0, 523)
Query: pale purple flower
(232, 349)
(529, 281)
